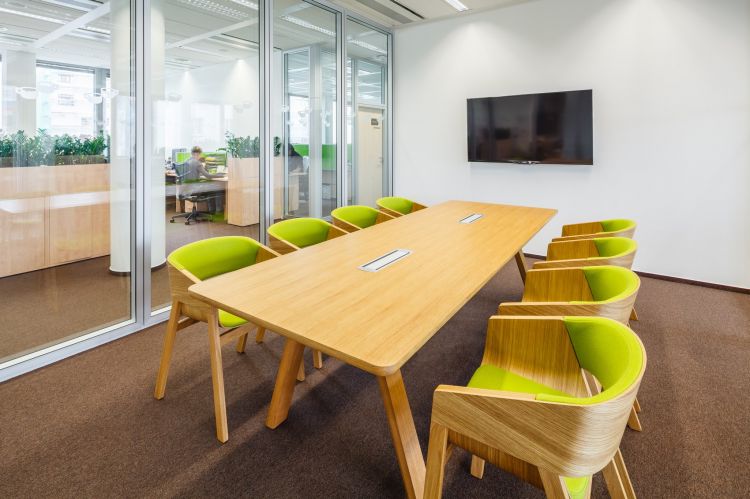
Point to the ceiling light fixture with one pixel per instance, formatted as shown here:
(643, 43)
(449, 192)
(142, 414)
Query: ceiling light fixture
(109, 93)
(368, 46)
(305, 24)
(32, 16)
(247, 3)
(456, 4)
(216, 8)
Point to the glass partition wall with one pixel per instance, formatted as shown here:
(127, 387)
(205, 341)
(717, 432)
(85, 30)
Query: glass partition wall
(110, 160)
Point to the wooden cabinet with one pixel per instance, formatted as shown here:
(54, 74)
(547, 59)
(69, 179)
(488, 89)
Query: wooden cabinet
(50, 215)
(243, 190)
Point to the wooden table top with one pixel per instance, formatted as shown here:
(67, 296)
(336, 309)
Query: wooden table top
(376, 321)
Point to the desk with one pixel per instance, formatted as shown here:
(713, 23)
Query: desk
(376, 321)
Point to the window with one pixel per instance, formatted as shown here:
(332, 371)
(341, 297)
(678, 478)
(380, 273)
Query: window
(66, 100)
(64, 78)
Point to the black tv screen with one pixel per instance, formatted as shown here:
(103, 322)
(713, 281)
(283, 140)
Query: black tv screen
(549, 128)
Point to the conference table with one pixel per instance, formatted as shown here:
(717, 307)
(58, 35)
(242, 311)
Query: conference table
(374, 297)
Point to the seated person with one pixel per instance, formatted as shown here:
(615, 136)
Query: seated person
(194, 170)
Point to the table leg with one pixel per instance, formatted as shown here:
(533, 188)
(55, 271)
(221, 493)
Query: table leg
(285, 381)
(404, 434)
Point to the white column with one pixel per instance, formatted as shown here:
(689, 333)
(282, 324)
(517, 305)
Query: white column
(122, 149)
(19, 70)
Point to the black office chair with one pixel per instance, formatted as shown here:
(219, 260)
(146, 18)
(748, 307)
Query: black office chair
(194, 191)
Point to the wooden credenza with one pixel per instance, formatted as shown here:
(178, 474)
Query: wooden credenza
(51, 215)
(243, 190)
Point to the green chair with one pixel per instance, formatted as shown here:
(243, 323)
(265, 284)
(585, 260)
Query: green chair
(534, 406)
(356, 217)
(397, 206)
(297, 233)
(618, 227)
(618, 251)
(191, 264)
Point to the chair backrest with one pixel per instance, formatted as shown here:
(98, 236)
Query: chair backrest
(614, 246)
(617, 225)
(609, 283)
(301, 232)
(610, 351)
(358, 215)
(215, 256)
(397, 204)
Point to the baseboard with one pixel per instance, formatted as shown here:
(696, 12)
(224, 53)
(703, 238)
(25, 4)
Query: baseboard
(681, 280)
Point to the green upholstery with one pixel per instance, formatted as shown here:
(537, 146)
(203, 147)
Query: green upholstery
(401, 205)
(577, 486)
(301, 232)
(617, 224)
(215, 256)
(492, 377)
(361, 216)
(609, 283)
(614, 246)
(607, 349)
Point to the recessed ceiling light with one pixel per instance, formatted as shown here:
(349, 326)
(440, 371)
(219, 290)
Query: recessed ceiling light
(182, 60)
(456, 4)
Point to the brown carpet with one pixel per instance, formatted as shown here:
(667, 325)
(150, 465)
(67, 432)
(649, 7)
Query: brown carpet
(89, 427)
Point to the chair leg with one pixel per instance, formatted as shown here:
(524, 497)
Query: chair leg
(260, 334)
(637, 405)
(477, 467)
(617, 478)
(317, 359)
(633, 315)
(241, 342)
(436, 458)
(521, 262)
(633, 422)
(217, 377)
(554, 485)
(301, 370)
(166, 353)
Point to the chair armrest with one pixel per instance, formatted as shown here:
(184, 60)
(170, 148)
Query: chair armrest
(417, 207)
(344, 225)
(265, 253)
(553, 436)
(392, 213)
(555, 285)
(334, 232)
(568, 250)
(280, 246)
(582, 229)
(383, 217)
(553, 309)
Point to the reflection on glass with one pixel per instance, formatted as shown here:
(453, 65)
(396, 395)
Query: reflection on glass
(304, 107)
(205, 146)
(366, 85)
(65, 173)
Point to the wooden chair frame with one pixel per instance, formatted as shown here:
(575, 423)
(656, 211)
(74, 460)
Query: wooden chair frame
(349, 227)
(395, 214)
(548, 292)
(590, 230)
(538, 441)
(186, 311)
(580, 253)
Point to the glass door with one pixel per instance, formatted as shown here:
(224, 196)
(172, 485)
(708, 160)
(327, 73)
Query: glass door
(304, 108)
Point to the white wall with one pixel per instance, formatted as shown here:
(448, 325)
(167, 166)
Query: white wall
(671, 83)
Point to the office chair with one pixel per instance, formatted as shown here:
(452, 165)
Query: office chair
(191, 191)
(397, 206)
(619, 227)
(601, 291)
(297, 233)
(189, 265)
(355, 217)
(533, 406)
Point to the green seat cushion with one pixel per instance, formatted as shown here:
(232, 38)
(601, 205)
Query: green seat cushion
(492, 377)
(228, 320)
(614, 246)
(401, 205)
(215, 256)
(577, 486)
(361, 216)
(609, 283)
(617, 224)
(301, 232)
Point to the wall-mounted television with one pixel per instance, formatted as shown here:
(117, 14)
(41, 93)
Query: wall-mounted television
(549, 128)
